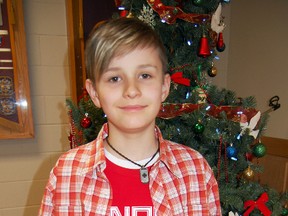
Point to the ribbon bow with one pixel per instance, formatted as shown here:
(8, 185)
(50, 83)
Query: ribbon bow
(260, 204)
(178, 78)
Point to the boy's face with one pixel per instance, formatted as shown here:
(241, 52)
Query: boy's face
(131, 90)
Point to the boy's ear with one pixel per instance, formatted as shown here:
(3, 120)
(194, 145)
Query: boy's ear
(92, 92)
(166, 87)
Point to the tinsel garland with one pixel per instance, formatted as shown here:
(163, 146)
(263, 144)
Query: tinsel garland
(172, 110)
(169, 13)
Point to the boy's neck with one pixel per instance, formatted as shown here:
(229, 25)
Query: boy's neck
(136, 146)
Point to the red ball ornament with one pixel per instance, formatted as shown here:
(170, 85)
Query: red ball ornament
(249, 156)
(86, 122)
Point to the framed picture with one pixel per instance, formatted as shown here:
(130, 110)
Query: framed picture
(15, 103)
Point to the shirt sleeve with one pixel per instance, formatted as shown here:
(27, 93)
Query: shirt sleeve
(213, 193)
(46, 207)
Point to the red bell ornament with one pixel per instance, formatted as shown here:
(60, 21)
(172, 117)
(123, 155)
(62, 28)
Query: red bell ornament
(204, 49)
(123, 13)
(220, 43)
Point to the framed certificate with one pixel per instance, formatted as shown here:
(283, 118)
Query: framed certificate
(15, 104)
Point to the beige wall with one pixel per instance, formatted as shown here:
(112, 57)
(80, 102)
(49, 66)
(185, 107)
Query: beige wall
(258, 56)
(25, 164)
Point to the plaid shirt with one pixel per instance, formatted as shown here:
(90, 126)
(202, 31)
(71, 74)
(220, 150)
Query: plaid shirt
(181, 182)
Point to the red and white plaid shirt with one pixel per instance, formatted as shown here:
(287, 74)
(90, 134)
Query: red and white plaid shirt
(181, 182)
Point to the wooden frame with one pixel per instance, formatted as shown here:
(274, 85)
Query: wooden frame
(15, 103)
(79, 24)
(76, 46)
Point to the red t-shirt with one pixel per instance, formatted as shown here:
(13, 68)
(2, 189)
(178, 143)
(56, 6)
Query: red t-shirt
(131, 197)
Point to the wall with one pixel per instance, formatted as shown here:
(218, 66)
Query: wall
(25, 163)
(258, 59)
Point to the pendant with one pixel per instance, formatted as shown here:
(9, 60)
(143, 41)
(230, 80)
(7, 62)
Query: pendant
(144, 175)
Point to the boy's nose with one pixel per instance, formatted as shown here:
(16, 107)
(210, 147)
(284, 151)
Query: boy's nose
(131, 89)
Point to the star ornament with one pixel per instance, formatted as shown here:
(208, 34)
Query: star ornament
(251, 125)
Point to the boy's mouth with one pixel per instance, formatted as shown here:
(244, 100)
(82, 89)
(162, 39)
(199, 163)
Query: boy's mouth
(133, 108)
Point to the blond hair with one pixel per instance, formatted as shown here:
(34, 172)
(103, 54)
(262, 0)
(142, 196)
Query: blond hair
(115, 38)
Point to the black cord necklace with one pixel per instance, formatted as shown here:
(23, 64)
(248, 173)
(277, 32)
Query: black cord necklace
(144, 175)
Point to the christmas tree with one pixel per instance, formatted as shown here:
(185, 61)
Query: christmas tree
(225, 129)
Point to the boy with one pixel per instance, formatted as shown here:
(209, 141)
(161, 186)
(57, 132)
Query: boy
(129, 169)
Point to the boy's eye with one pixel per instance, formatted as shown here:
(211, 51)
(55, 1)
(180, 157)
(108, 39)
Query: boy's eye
(114, 79)
(145, 76)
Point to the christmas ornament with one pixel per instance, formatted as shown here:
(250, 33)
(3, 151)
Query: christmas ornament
(198, 2)
(251, 125)
(231, 152)
(217, 24)
(123, 13)
(86, 121)
(259, 150)
(198, 128)
(220, 43)
(249, 156)
(248, 173)
(204, 49)
(284, 212)
(212, 72)
(147, 16)
(201, 94)
(250, 205)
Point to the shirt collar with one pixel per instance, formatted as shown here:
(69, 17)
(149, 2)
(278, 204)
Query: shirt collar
(166, 155)
(96, 159)
(96, 156)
